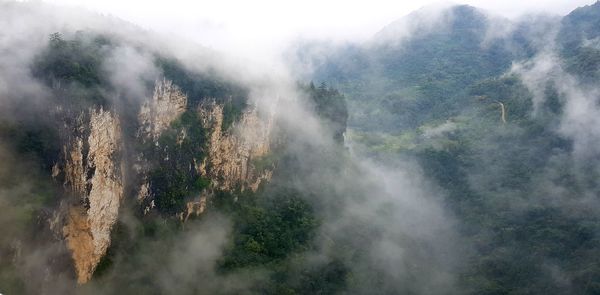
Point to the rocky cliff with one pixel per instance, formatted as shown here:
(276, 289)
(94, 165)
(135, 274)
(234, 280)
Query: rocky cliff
(230, 152)
(167, 103)
(91, 164)
(91, 169)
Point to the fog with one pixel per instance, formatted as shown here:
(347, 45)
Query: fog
(390, 218)
(185, 263)
(266, 26)
(581, 100)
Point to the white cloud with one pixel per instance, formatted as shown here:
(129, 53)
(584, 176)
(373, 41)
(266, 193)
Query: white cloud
(264, 24)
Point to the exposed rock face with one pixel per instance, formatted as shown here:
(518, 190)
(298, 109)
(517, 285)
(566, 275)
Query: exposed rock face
(168, 103)
(156, 115)
(230, 152)
(91, 165)
(92, 170)
(81, 242)
(195, 208)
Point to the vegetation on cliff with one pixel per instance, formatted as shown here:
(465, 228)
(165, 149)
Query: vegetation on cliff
(495, 136)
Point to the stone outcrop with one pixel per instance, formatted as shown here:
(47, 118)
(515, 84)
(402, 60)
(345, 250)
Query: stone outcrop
(230, 152)
(196, 207)
(92, 171)
(167, 103)
(80, 241)
(156, 115)
(91, 165)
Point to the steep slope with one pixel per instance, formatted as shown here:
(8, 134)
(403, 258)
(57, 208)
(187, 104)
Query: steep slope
(92, 171)
(495, 128)
(166, 149)
(130, 171)
(579, 43)
(229, 159)
(193, 140)
(418, 68)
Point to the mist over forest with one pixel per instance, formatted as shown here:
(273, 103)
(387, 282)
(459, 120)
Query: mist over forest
(453, 151)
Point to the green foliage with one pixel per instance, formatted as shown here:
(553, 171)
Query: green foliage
(581, 24)
(519, 198)
(201, 86)
(403, 84)
(267, 231)
(448, 58)
(139, 254)
(489, 169)
(585, 63)
(170, 188)
(380, 142)
(174, 177)
(232, 112)
(198, 85)
(275, 229)
(508, 90)
(514, 186)
(330, 105)
(130, 243)
(25, 191)
(74, 67)
(35, 141)
(578, 28)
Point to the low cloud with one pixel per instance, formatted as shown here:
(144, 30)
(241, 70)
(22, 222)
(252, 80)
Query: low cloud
(581, 101)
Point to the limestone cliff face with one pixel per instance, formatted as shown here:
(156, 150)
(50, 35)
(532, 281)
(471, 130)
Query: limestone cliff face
(155, 116)
(92, 171)
(230, 152)
(91, 165)
(167, 103)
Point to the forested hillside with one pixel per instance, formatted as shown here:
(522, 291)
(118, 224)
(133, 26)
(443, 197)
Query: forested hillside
(127, 162)
(454, 152)
(495, 118)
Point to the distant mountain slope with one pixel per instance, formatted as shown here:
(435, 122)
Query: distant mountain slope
(502, 115)
(418, 68)
(579, 40)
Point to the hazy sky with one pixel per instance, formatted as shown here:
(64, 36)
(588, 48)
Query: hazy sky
(259, 24)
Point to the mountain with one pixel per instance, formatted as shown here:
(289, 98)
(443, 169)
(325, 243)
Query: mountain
(494, 111)
(455, 152)
(176, 145)
(578, 41)
(115, 146)
(416, 67)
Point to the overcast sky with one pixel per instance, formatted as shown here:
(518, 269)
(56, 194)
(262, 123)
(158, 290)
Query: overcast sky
(259, 24)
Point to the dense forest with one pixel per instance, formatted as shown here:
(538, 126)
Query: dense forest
(444, 160)
(495, 143)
